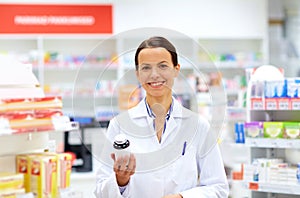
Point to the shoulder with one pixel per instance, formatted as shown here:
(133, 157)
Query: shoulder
(129, 115)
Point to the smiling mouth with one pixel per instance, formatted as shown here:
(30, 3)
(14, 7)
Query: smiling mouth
(156, 84)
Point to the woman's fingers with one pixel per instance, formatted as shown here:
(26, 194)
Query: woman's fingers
(125, 165)
(131, 164)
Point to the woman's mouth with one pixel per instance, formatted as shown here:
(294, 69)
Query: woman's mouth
(156, 84)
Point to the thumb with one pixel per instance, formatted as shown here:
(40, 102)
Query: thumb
(113, 156)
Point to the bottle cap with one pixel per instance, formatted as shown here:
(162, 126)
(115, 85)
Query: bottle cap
(121, 142)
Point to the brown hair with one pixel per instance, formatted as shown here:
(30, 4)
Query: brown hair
(154, 42)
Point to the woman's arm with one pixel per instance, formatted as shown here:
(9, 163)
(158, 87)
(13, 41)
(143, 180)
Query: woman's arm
(111, 179)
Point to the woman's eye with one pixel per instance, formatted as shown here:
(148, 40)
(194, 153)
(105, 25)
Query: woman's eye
(163, 66)
(145, 68)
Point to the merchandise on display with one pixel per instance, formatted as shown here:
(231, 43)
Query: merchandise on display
(272, 130)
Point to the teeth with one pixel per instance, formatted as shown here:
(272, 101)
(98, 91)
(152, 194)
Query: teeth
(156, 84)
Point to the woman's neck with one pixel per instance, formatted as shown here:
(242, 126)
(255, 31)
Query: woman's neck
(159, 105)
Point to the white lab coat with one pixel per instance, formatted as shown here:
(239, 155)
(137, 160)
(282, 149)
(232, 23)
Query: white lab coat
(164, 168)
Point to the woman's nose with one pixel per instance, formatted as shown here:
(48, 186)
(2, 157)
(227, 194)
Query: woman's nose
(154, 72)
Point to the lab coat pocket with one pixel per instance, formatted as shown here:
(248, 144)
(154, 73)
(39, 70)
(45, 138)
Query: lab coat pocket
(184, 170)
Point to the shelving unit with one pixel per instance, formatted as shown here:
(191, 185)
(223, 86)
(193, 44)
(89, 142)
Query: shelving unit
(30, 134)
(270, 148)
(273, 143)
(273, 148)
(262, 188)
(74, 66)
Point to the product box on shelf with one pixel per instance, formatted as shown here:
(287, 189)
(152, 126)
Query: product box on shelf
(30, 104)
(64, 168)
(276, 95)
(12, 193)
(292, 87)
(254, 129)
(23, 166)
(45, 173)
(291, 130)
(257, 102)
(282, 173)
(273, 129)
(32, 115)
(10, 181)
(259, 169)
(43, 176)
(239, 132)
(275, 89)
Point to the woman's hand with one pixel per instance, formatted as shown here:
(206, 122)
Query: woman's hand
(124, 167)
(173, 196)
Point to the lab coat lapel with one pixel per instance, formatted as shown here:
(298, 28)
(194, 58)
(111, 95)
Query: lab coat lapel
(171, 126)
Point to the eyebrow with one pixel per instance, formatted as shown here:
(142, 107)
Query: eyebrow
(162, 62)
(157, 63)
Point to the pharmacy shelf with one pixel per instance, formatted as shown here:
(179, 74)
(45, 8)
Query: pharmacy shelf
(30, 141)
(272, 143)
(59, 126)
(282, 188)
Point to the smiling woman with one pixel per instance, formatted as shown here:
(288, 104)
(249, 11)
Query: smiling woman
(156, 74)
(171, 146)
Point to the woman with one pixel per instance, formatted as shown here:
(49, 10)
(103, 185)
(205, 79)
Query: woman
(173, 154)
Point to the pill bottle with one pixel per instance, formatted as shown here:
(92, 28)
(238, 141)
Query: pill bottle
(121, 145)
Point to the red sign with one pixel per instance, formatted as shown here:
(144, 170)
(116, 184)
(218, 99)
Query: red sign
(52, 19)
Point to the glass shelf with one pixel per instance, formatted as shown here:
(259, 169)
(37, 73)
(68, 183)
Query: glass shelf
(272, 143)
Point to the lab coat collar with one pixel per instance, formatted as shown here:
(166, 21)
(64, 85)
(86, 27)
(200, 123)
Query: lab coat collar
(140, 110)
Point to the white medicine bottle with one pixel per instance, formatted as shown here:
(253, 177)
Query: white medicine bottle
(121, 145)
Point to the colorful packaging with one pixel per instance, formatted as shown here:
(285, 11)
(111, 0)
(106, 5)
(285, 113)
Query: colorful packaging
(293, 87)
(13, 193)
(239, 132)
(23, 166)
(275, 89)
(64, 170)
(10, 181)
(40, 173)
(43, 176)
(291, 130)
(273, 129)
(29, 104)
(254, 129)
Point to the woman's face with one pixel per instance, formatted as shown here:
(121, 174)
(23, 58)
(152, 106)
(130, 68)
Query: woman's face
(156, 71)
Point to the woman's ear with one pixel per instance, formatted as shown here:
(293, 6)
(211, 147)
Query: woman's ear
(177, 69)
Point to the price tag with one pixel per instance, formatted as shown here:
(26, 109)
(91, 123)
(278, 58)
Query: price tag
(271, 104)
(295, 104)
(253, 185)
(257, 104)
(284, 104)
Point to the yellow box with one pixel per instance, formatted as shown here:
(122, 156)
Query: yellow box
(64, 170)
(12, 193)
(23, 166)
(11, 181)
(43, 176)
